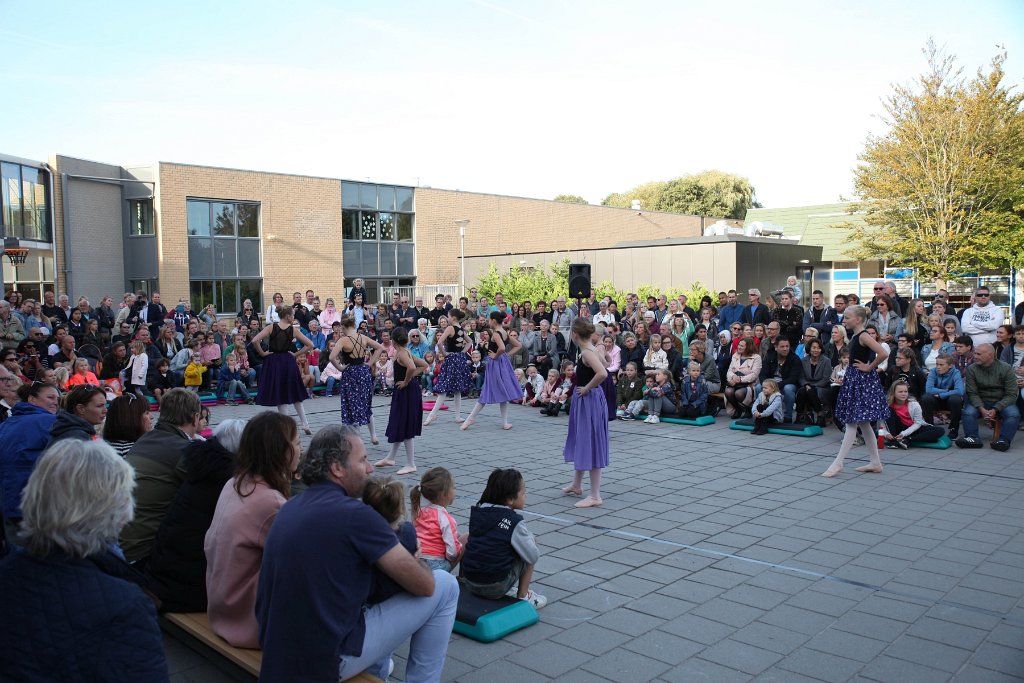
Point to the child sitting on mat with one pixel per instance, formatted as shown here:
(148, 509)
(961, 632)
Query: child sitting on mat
(387, 496)
(693, 394)
(767, 409)
(441, 545)
(501, 551)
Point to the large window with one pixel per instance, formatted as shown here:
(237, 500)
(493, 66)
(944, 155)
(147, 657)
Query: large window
(224, 254)
(377, 230)
(31, 278)
(25, 200)
(141, 217)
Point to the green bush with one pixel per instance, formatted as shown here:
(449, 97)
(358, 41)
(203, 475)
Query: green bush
(547, 283)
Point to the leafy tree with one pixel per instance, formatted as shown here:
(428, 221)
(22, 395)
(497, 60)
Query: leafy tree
(942, 190)
(571, 199)
(709, 193)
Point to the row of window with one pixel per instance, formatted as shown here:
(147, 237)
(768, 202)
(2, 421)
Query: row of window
(376, 197)
(25, 202)
(376, 225)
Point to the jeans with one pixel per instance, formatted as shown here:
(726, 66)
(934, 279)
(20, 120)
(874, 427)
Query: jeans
(1011, 420)
(250, 376)
(230, 389)
(330, 385)
(427, 621)
(788, 400)
(660, 405)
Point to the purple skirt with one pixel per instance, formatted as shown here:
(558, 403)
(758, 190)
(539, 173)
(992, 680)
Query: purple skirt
(586, 444)
(280, 381)
(455, 375)
(861, 398)
(608, 387)
(500, 382)
(406, 418)
(356, 393)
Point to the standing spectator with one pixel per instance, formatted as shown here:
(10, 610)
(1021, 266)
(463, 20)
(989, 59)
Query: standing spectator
(8, 392)
(155, 315)
(981, 320)
(790, 318)
(755, 312)
(991, 392)
(11, 329)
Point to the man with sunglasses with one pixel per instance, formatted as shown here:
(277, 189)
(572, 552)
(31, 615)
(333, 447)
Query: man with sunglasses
(8, 392)
(981, 320)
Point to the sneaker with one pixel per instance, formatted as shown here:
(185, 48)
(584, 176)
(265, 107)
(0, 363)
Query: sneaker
(968, 442)
(654, 419)
(902, 445)
(535, 599)
(715, 410)
(892, 444)
(1000, 445)
(953, 431)
(859, 441)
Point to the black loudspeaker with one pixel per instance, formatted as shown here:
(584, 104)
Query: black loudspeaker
(579, 280)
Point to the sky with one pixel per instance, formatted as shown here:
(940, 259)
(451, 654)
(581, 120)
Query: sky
(529, 98)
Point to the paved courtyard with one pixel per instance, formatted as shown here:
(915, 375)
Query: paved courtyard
(720, 556)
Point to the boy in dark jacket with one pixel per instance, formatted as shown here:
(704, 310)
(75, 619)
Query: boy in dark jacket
(693, 394)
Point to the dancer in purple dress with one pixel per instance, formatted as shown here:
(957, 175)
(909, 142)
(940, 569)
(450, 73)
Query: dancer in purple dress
(406, 419)
(861, 399)
(356, 386)
(586, 444)
(500, 382)
(455, 375)
(280, 381)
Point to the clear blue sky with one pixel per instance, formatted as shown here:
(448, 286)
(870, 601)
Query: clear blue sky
(530, 98)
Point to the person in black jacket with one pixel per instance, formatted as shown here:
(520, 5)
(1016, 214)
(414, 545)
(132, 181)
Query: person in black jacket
(155, 315)
(176, 570)
(785, 368)
(755, 312)
(790, 318)
(83, 409)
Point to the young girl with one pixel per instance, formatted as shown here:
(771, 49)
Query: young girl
(477, 372)
(406, 419)
(838, 373)
(521, 378)
(500, 550)
(534, 386)
(441, 545)
(547, 391)
(137, 370)
(330, 374)
(629, 393)
(387, 497)
(861, 400)
(385, 367)
(500, 385)
(767, 409)
(906, 421)
(454, 374)
(229, 383)
(356, 386)
(427, 378)
(693, 393)
(562, 395)
(586, 444)
(194, 373)
(280, 383)
(83, 375)
(305, 375)
(655, 359)
(662, 398)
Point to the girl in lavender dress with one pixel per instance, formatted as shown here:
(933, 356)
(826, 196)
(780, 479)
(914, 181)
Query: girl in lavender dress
(586, 444)
(861, 399)
(500, 382)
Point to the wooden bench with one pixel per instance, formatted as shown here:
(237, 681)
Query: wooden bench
(197, 625)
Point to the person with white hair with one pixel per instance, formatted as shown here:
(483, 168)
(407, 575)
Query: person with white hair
(69, 596)
(177, 565)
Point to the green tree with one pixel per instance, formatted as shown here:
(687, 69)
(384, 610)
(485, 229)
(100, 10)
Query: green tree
(571, 199)
(942, 190)
(709, 193)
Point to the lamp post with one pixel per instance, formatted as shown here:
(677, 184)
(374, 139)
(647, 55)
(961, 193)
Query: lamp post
(462, 222)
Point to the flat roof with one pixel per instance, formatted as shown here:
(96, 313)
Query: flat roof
(668, 241)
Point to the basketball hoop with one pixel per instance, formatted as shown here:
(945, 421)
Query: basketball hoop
(16, 256)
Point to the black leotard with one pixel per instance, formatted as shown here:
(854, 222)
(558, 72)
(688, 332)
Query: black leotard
(400, 372)
(584, 373)
(456, 342)
(281, 340)
(356, 356)
(860, 352)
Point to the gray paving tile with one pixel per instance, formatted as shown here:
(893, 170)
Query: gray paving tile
(697, 669)
(664, 647)
(549, 658)
(832, 667)
(623, 665)
(928, 653)
(591, 638)
(743, 657)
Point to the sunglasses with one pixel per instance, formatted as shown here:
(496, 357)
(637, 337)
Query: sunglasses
(981, 294)
(878, 289)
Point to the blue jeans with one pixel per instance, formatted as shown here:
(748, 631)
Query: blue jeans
(330, 385)
(1011, 420)
(788, 400)
(426, 622)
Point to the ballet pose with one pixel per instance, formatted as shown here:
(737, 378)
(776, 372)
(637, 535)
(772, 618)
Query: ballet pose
(280, 381)
(356, 385)
(406, 419)
(500, 382)
(861, 399)
(455, 375)
(586, 444)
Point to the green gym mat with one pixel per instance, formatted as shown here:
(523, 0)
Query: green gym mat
(784, 428)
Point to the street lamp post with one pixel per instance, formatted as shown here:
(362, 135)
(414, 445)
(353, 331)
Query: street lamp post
(462, 222)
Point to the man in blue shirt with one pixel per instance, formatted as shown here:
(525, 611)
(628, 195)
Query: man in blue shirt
(317, 572)
(729, 313)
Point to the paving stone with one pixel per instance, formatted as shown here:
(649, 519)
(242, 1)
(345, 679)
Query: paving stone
(694, 627)
(727, 612)
(976, 674)
(1000, 658)
(662, 606)
(769, 637)
(889, 670)
(499, 672)
(664, 647)
(697, 669)
(591, 638)
(623, 665)
(928, 653)
(549, 658)
(741, 656)
(849, 645)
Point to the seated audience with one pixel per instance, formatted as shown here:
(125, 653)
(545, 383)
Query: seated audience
(906, 423)
(25, 434)
(991, 392)
(128, 418)
(83, 409)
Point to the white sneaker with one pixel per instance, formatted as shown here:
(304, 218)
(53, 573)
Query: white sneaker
(654, 419)
(535, 599)
(648, 420)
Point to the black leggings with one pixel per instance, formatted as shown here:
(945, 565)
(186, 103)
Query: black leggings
(808, 398)
(924, 434)
(954, 404)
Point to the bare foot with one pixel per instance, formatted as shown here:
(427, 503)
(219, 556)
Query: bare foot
(429, 421)
(869, 468)
(386, 462)
(589, 502)
(466, 424)
(832, 471)
(406, 470)
(506, 426)
(571, 490)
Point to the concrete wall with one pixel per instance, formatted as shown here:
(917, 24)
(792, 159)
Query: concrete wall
(302, 213)
(90, 256)
(516, 225)
(720, 263)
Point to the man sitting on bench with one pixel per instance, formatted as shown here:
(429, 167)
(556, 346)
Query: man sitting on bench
(316, 576)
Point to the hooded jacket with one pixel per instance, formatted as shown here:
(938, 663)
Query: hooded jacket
(981, 323)
(70, 426)
(25, 434)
